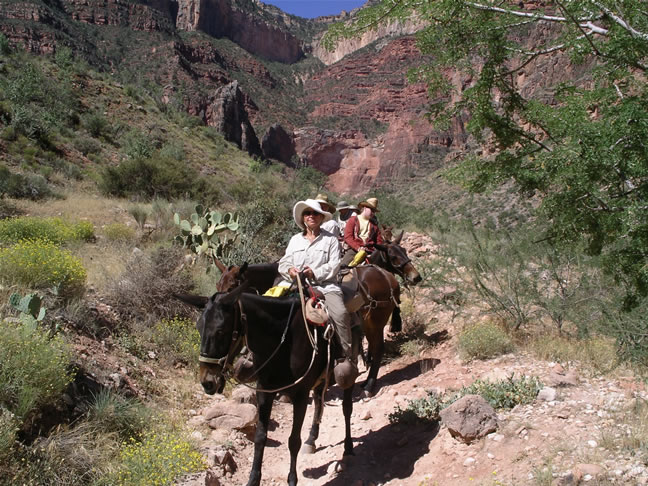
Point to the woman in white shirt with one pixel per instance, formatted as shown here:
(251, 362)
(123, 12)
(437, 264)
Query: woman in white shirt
(316, 253)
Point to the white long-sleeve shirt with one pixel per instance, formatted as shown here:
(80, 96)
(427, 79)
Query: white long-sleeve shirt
(322, 256)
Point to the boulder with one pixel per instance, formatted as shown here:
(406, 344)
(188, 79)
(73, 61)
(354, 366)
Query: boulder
(230, 415)
(470, 418)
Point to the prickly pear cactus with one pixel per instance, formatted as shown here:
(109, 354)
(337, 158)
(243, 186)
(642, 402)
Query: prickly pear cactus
(29, 305)
(207, 232)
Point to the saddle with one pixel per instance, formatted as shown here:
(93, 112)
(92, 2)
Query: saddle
(353, 298)
(314, 308)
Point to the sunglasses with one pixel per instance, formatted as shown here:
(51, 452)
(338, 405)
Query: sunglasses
(310, 213)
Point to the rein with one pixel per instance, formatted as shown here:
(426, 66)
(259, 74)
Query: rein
(312, 338)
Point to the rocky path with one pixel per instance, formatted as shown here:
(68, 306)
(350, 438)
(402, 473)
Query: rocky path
(570, 434)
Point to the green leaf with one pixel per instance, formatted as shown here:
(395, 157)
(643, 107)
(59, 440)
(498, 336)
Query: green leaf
(176, 219)
(196, 230)
(185, 225)
(14, 300)
(216, 217)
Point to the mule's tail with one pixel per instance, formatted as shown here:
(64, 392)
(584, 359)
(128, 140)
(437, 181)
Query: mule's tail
(396, 321)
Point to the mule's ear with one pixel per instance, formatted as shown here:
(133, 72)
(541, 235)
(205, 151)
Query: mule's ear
(220, 265)
(233, 295)
(399, 237)
(243, 268)
(380, 247)
(197, 301)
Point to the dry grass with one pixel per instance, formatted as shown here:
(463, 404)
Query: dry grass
(598, 354)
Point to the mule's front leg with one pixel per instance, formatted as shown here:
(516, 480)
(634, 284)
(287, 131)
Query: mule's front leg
(294, 442)
(347, 408)
(309, 445)
(264, 406)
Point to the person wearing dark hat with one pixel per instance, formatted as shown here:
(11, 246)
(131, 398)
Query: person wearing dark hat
(330, 226)
(361, 233)
(316, 253)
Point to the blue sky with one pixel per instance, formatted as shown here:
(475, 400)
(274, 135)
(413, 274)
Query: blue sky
(315, 8)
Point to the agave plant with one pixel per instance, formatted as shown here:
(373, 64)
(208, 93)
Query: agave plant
(207, 232)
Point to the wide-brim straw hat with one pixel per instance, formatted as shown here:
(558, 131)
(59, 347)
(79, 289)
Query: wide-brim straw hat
(324, 202)
(371, 202)
(342, 205)
(301, 206)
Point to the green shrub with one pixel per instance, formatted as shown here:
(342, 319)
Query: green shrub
(96, 124)
(150, 178)
(158, 459)
(419, 410)
(21, 186)
(177, 338)
(87, 145)
(484, 340)
(119, 232)
(5, 47)
(111, 412)
(34, 368)
(42, 264)
(54, 230)
(503, 394)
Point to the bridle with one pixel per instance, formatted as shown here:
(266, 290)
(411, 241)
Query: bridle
(239, 337)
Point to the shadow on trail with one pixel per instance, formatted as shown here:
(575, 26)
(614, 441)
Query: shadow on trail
(392, 377)
(388, 453)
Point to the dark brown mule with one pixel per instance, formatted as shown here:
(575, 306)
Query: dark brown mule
(381, 287)
(288, 356)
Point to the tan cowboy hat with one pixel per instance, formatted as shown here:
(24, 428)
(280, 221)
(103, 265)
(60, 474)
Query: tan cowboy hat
(371, 202)
(301, 206)
(324, 202)
(342, 205)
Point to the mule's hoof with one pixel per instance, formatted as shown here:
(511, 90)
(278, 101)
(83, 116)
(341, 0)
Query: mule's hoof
(308, 449)
(367, 394)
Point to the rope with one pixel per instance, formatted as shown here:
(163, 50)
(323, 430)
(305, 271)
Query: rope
(313, 339)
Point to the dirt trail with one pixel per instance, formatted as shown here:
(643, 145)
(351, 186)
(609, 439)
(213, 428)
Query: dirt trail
(546, 442)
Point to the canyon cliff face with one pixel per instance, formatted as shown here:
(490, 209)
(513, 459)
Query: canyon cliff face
(219, 18)
(372, 87)
(356, 117)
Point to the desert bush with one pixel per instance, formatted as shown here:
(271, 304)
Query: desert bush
(128, 418)
(119, 232)
(419, 410)
(157, 459)
(503, 394)
(484, 340)
(21, 186)
(87, 145)
(140, 214)
(177, 339)
(96, 124)
(144, 291)
(151, 178)
(34, 368)
(54, 230)
(41, 264)
(38, 103)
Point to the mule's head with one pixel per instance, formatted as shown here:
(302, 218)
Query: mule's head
(231, 277)
(398, 262)
(218, 329)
